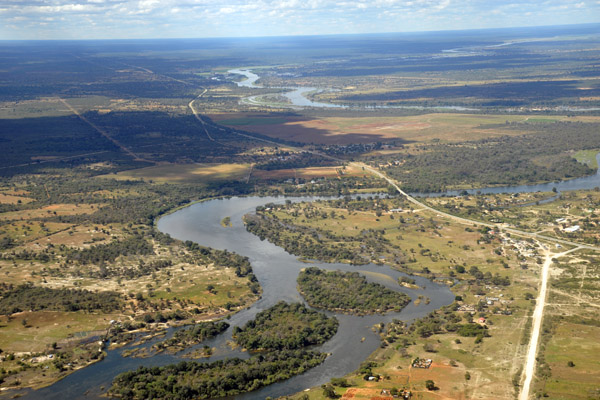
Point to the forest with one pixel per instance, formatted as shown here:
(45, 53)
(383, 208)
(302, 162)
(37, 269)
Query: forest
(187, 380)
(285, 326)
(27, 297)
(539, 156)
(348, 292)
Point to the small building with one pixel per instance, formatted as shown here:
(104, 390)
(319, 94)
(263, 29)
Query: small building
(482, 320)
(573, 228)
(422, 363)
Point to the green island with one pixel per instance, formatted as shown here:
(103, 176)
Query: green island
(233, 376)
(285, 326)
(190, 336)
(281, 333)
(348, 292)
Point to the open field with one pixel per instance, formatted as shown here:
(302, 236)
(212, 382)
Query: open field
(308, 173)
(345, 130)
(48, 211)
(587, 157)
(14, 197)
(185, 172)
(42, 328)
(576, 343)
(569, 350)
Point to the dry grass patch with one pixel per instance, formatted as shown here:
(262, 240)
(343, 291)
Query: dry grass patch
(42, 328)
(77, 236)
(49, 211)
(308, 173)
(345, 130)
(7, 198)
(185, 173)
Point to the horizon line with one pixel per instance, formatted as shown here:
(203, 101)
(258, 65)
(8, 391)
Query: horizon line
(507, 28)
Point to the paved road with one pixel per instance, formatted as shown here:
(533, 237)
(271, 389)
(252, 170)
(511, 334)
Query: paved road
(471, 221)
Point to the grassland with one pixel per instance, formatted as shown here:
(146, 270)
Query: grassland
(465, 368)
(52, 206)
(569, 353)
(424, 128)
(587, 157)
(185, 173)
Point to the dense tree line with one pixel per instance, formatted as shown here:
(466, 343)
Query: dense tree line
(506, 160)
(489, 94)
(321, 243)
(285, 326)
(348, 292)
(187, 380)
(101, 253)
(32, 298)
(302, 160)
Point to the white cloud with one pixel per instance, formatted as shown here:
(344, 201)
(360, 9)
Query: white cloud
(280, 17)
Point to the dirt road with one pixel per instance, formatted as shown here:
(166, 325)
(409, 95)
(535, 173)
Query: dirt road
(538, 315)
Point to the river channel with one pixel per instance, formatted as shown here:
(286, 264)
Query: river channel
(296, 96)
(276, 271)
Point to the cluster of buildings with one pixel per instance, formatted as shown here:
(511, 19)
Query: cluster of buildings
(422, 363)
(400, 394)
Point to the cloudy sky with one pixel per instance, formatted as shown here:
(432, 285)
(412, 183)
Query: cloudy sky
(98, 19)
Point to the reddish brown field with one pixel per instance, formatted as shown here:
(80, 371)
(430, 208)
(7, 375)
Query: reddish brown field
(346, 130)
(322, 131)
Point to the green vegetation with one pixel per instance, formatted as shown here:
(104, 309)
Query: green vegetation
(102, 253)
(587, 157)
(30, 298)
(84, 176)
(220, 378)
(540, 156)
(348, 292)
(317, 230)
(285, 326)
(568, 352)
(191, 336)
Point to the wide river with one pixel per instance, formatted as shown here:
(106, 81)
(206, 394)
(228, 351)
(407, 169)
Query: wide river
(276, 271)
(296, 96)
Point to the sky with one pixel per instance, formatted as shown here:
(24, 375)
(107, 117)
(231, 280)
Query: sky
(123, 19)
